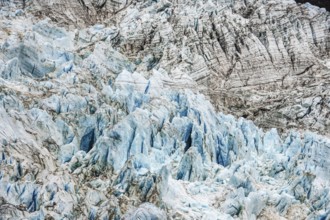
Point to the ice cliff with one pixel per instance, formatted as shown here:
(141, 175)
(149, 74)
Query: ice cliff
(97, 123)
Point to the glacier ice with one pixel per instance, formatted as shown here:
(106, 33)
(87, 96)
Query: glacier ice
(151, 142)
(89, 135)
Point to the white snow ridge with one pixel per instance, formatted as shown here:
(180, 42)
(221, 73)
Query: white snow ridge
(164, 109)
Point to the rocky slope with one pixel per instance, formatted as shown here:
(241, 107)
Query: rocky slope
(108, 121)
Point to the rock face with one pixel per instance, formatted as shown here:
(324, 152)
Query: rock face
(109, 121)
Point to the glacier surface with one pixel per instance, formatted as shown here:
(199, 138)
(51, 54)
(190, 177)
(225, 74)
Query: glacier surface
(86, 134)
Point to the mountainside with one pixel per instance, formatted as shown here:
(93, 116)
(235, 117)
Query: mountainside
(131, 110)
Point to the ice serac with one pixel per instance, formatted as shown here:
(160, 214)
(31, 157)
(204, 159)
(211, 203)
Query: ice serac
(90, 131)
(262, 60)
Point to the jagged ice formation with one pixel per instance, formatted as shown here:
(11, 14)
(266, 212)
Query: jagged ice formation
(93, 125)
(265, 60)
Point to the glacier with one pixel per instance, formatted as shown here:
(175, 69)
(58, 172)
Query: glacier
(264, 60)
(85, 133)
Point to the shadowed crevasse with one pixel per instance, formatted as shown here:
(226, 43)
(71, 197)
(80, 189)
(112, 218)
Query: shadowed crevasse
(87, 141)
(320, 3)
